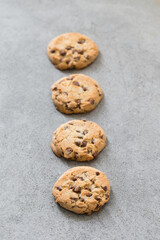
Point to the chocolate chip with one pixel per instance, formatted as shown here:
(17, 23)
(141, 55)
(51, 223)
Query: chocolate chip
(74, 50)
(65, 127)
(62, 53)
(74, 178)
(78, 131)
(78, 144)
(98, 198)
(76, 155)
(80, 51)
(53, 51)
(69, 109)
(59, 188)
(84, 143)
(107, 196)
(65, 93)
(69, 78)
(68, 61)
(74, 199)
(97, 207)
(84, 120)
(104, 188)
(76, 83)
(95, 154)
(81, 200)
(85, 132)
(91, 101)
(93, 180)
(77, 189)
(101, 136)
(68, 47)
(77, 58)
(78, 102)
(80, 137)
(69, 150)
(87, 57)
(70, 123)
(80, 41)
(55, 88)
(84, 88)
(93, 141)
(82, 179)
(97, 173)
(89, 150)
(89, 194)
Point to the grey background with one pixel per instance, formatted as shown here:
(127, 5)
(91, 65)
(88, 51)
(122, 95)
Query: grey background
(128, 70)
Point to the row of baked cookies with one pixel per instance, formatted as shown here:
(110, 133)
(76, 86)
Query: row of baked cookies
(80, 189)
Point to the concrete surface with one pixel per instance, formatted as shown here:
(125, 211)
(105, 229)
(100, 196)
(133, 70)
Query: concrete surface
(128, 69)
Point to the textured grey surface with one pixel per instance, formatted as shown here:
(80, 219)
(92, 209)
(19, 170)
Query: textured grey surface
(128, 70)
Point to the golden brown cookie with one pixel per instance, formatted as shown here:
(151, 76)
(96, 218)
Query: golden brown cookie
(76, 93)
(72, 50)
(78, 140)
(82, 190)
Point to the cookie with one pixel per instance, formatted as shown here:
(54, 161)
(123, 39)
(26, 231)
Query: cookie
(82, 190)
(78, 140)
(76, 93)
(72, 50)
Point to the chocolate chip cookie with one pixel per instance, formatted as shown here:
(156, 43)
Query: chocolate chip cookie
(78, 140)
(76, 93)
(72, 50)
(82, 190)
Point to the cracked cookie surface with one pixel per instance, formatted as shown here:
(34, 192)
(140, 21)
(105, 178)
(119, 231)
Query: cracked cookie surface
(82, 190)
(72, 50)
(78, 140)
(76, 93)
